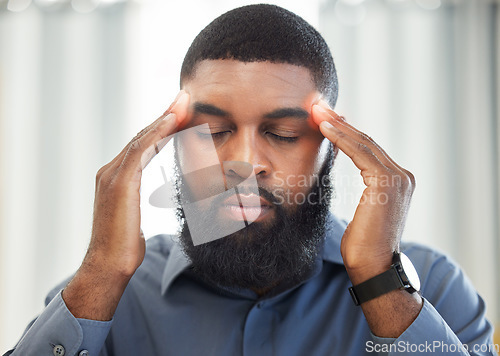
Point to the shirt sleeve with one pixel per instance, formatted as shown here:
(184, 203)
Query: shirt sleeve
(57, 329)
(452, 320)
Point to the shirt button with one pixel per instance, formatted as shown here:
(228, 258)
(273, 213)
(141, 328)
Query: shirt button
(83, 353)
(259, 305)
(58, 350)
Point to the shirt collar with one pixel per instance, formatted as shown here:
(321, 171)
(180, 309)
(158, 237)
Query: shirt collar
(177, 262)
(334, 230)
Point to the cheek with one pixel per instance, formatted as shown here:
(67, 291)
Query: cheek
(200, 167)
(322, 155)
(195, 153)
(301, 174)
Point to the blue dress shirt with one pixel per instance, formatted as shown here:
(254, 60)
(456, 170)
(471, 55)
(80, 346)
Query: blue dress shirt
(166, 310)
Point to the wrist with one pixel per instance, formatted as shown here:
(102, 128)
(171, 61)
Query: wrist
(108, 266)
(401, 275)
(361, 273)
(94, 292)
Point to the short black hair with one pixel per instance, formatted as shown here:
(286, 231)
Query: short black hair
(265, 32)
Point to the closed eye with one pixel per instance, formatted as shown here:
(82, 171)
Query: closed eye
(289, 139)
(220, 134)
(212, 134)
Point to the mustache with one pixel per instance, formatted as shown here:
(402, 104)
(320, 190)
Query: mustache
(211, 183)
(218, 191)
(260, 191)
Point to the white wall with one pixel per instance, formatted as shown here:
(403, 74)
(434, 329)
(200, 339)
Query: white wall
(75, 88)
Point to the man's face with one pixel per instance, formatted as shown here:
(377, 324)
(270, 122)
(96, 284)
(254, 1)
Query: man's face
(258, 113)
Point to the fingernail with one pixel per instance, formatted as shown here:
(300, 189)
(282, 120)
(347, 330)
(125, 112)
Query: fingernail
(316, 99)
(169, 117)
(326, 125)
(182, 97)
(319, 108)
(324, 105)
(179, 94)
(180, 108)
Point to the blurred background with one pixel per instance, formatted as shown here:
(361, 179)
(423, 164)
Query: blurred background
(79, 78)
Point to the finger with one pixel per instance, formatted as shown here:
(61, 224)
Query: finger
(323, 114)
(178, 106)
(139, 135)
(177, 97)
(360, 154)
(311, 100)
(321, 111)
(379, 151)
(364, 143)
(144, 148)
(180, 110)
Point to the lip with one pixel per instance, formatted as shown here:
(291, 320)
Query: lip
(248, 207)
(247, 200)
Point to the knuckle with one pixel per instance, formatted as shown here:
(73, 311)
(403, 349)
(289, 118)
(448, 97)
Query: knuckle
(140, 134)
(412, 179)
(341, 135)
(135, 146)
(155, 131)
(367, 140)
(99, 173)
(102, 173)
(407, 184)
(103, 180)
(362, 148)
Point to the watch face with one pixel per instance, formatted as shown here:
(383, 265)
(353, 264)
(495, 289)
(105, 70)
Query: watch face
(410, 271)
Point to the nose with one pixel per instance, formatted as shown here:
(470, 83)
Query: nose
(243, 153)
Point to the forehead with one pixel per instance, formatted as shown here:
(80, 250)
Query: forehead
(251, 83)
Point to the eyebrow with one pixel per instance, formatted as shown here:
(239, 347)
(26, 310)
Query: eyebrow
(297, 113)
(209, 109)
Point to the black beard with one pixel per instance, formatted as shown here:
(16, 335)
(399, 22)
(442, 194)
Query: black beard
(261, 256)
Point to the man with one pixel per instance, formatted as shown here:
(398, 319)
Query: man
(258, 85)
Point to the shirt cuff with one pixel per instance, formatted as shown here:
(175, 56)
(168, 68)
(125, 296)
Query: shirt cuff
(429, 334)
(57, 327)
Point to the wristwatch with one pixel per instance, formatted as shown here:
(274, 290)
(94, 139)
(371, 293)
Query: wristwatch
(402, 275)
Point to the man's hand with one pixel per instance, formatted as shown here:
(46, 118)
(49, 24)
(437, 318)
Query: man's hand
(117, 246)
(375, 231)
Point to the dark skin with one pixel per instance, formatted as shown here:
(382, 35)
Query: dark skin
(375, 231)
(257, 113)
(256, 102)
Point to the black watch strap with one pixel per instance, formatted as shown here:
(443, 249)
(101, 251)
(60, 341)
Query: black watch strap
(376, 286)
